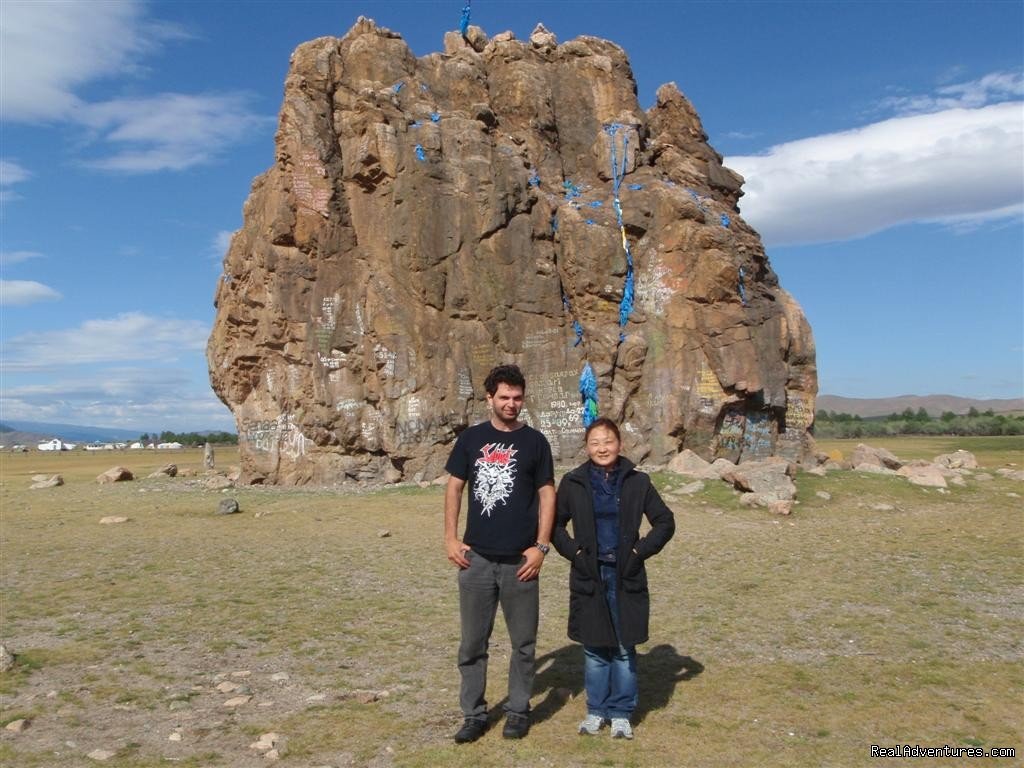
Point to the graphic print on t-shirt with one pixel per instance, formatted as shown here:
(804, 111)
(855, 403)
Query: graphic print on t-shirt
(495, 475)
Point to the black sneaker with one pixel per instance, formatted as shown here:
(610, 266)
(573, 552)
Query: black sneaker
(471, 730)
(516, 726)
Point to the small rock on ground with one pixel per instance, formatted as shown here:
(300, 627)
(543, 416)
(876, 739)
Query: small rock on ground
(6, 659)
(227, 507)
(115, 475)
(46, 481)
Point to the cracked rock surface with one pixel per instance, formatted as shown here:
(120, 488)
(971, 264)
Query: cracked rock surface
(427, 218)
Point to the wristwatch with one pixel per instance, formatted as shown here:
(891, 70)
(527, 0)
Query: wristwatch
(544, 548)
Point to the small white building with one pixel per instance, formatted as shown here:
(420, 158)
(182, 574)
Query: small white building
(169, 446)
(56, 444)
(135, 446)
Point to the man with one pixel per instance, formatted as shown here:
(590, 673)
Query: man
(510, 473)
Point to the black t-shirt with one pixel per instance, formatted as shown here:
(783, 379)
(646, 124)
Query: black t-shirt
(503, 471)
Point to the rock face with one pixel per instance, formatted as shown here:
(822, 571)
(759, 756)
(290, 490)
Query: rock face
(503, 201)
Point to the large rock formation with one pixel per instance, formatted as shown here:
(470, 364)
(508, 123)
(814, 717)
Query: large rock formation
(426, 219)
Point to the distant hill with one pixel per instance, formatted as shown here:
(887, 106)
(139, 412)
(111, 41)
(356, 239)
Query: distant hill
(10, 436)
(935, 405)
(72, 432)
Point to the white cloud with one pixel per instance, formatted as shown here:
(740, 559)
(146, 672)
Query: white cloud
(993, 87)
(10, 174)
(221, 243)
(970, 222)
(53, 49)
(7, 258)
(18, 293)
(170, 131)
(954, 164)
(130, 336)
(142, 398)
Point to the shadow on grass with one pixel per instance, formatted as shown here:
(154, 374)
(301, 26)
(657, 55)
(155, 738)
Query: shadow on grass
(560, 679)
(659, 670)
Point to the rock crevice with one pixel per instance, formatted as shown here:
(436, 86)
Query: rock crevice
(426, 219)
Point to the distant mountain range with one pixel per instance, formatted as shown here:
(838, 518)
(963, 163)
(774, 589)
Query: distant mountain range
(31, 432)
(935, 405)
(28, 431)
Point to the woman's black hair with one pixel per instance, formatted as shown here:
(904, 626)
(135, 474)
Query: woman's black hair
(603, 421)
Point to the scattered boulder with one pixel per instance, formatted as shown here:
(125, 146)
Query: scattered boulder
(721, 467)
(113, 520)
(691, 488)
(825, 495)
(767, 501)
(101, 755)
(923, 473)
(170, 470)
(217, 483)
(690, 464)
(46, 481)
(959, 459)
(770, 479)
(873, 468)
(115, 475)
(864, 455)
(1010, 474)
(17, 726)
(268, 742)
(228, 507)
(237, 701)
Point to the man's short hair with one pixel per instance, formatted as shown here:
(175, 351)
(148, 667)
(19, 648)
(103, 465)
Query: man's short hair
(504, 374)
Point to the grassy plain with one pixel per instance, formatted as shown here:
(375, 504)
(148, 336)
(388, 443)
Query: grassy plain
(795, 641)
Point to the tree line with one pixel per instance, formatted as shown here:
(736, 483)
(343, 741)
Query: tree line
(190, 438)
(829, 424)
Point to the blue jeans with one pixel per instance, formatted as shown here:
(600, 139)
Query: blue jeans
(609, 674)
(483, 586)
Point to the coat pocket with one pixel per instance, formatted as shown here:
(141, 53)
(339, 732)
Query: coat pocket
(635, 583)
(581, 584)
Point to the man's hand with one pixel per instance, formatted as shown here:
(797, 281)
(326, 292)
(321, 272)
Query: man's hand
(457, 553)
(531, 568)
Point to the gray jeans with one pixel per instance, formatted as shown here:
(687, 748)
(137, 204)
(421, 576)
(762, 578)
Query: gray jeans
(482, 586)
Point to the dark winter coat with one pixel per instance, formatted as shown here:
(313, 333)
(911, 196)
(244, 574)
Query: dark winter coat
(589, 618)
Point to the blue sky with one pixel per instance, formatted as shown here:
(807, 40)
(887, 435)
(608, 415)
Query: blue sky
(882, 143)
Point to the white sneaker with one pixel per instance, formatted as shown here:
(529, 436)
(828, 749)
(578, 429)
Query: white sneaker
(621, 728)
(591, 725)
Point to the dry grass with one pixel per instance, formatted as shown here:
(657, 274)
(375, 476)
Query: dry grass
(775, 641)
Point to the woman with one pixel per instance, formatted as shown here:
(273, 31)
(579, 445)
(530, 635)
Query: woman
(609, 605)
